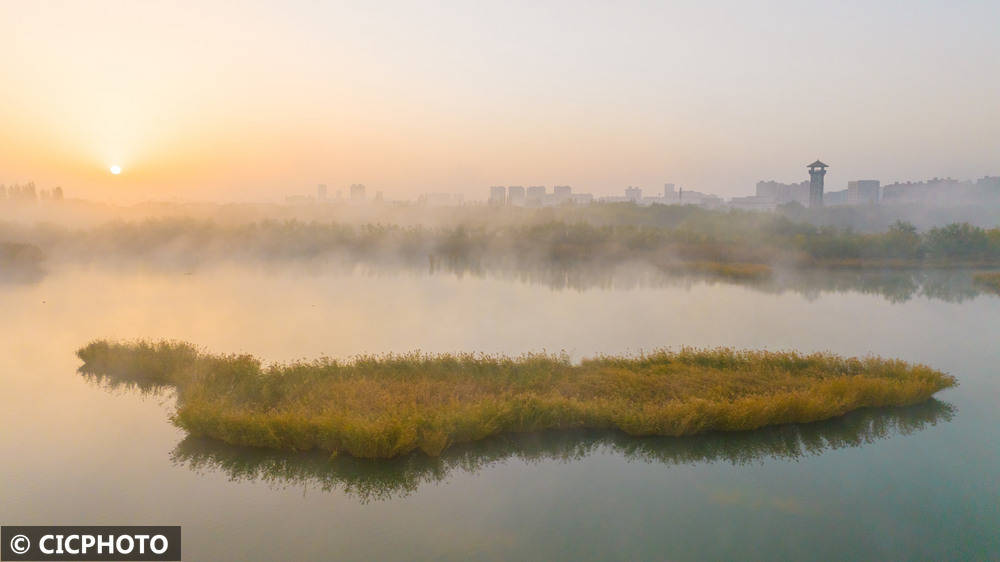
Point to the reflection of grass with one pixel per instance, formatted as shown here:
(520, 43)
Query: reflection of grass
(720, 270)
(989, 280)
(146, 366)
(385, 406)
(370, 480)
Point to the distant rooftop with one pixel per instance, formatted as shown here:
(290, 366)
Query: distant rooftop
(817, 164)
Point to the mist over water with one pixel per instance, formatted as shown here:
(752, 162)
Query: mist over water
(599, 246)
(495, 499)
(299, 226)
(270, 289)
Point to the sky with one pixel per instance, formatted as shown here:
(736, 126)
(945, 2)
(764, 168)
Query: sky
(255, 101)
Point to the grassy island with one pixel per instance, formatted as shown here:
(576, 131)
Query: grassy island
(389, 405)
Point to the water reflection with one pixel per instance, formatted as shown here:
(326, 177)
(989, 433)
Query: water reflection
(21, 263)
(115, 382)
(895, 285)
(29, 275)
(379, 480)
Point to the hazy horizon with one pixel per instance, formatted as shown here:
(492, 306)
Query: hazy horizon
(226, 101)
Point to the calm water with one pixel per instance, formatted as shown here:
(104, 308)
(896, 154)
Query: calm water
(916, 483)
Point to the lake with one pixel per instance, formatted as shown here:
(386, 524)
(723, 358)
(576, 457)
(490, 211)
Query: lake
(911, 483)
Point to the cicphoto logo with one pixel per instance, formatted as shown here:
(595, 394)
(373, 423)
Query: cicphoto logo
(20, 544)
(90, 543)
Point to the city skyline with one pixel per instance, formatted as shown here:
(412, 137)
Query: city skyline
(854, 191)
(209, 102)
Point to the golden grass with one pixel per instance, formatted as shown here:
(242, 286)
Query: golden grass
(989, 280)
(389, 405)
(369, 480)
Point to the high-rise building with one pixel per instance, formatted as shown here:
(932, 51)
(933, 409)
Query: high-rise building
(498, 195)
(633, 194)
(321, 192)
(835, 197)
(782, 193)
(862, 192)
(816, 172)
(515, 195)
(535, 196)
(561, 194)
(989, 184)
(357, 192)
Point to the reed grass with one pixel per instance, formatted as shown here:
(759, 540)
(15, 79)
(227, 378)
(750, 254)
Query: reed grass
(378, 480)
(989, 280)
(389, 405)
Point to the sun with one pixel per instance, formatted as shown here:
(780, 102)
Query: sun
(116, 169)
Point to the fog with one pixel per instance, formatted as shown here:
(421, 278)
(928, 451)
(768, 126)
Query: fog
(572, 247)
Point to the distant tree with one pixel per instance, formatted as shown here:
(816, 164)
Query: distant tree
(901, 241)
(958, 240)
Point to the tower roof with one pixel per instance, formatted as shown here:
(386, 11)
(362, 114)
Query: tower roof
(817, 164)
